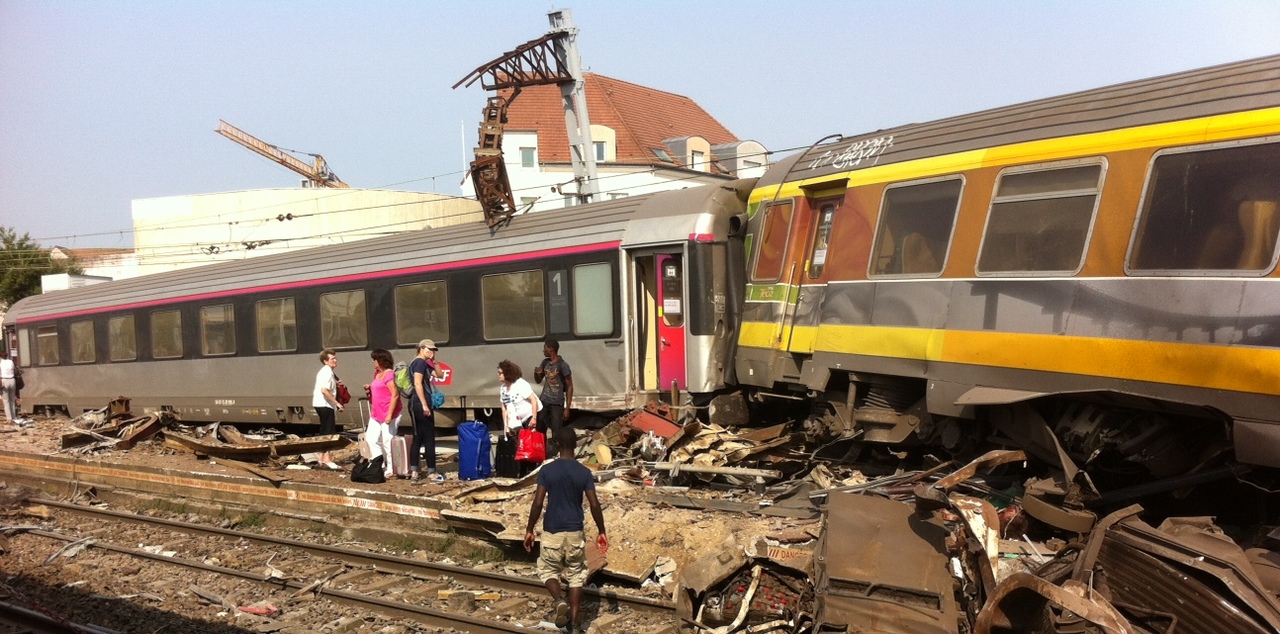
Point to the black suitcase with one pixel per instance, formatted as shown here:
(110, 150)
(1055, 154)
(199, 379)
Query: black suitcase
(505, 465)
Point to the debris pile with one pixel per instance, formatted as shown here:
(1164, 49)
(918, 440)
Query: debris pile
(115, 427)
(1014, 540)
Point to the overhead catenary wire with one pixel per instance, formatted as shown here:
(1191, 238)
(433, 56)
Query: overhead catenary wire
(195, 223)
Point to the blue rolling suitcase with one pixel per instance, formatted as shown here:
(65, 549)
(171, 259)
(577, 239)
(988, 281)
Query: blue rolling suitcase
(473, 451)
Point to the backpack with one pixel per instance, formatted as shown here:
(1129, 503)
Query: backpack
(404, 380)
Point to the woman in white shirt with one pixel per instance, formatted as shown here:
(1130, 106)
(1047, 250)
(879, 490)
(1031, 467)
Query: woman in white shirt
(324, 398)
(519, 403)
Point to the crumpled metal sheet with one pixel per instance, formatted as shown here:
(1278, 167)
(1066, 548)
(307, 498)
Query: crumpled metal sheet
(880, 567)
(1204, 580)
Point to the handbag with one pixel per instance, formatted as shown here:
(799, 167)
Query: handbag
(344, 395)
(532, 447)
(437, 399)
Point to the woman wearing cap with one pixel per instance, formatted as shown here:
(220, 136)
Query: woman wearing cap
(424, 371)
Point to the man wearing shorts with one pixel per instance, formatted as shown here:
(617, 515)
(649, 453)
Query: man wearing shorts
(563, 482)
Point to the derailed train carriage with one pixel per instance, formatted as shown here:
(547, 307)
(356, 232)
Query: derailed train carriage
(637, 290)
(1092, 274)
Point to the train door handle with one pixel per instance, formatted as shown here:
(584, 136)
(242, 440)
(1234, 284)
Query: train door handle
(665, 343)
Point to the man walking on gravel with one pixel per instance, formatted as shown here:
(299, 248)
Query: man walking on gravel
(564, 481)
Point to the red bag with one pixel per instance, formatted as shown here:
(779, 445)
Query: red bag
(532, 447)
(344, 395)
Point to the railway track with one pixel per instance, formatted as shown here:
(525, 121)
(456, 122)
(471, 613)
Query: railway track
(363, 580)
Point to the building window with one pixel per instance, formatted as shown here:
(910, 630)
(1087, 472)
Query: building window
(774, 230)
(916, 221)
(527, 156)
(166, 334)
(217, 330)
(422, 312)
(277, 325)
(697, 160)
(83, 347)
(599, 145)
(47, 345)
(663, 155)
(592, 299)
(343, 322)
(122, 338)
(513, 305)
(1210, 210)
(570, 200)
(1039, 220)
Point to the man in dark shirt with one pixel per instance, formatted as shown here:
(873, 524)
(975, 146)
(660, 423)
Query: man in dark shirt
(563, 550)
(557, 392)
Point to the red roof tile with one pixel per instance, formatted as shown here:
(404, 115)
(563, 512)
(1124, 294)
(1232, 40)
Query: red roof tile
(642, 117)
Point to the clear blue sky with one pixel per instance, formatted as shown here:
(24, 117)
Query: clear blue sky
(105, 102)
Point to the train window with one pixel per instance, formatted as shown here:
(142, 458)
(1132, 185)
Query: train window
(277, 325)
(217, 330)
(422, 312)
(1039, 220)
(122, 338)
(592, 299)
(1210, 210)
(916, 221)
(774, 230)
(513, 305)
(24, 347)
(83, 347)
(343, 320)
(166, 334)
(47, 345)
(821, 239)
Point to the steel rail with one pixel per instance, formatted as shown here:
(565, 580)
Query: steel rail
(428, 616)
(383, 561)
(39, 622)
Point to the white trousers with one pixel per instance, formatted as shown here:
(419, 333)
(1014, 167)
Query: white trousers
(378, 436)
(10, 391)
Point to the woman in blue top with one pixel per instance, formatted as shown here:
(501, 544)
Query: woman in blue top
(424, 371)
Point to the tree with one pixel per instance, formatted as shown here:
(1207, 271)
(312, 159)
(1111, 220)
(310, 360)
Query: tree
(22, 262)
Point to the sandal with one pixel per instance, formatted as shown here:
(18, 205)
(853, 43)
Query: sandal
(415, 478)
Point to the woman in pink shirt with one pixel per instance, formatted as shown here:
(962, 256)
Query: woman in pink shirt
(384, 408)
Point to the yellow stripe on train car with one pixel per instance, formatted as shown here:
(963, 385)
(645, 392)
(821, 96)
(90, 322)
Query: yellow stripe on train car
(1240, 368)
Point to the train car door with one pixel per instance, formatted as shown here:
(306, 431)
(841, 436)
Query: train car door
(658, 320)
(813, 235)
(671, 312)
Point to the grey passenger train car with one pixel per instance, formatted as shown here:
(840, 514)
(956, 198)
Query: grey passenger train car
(637, 290)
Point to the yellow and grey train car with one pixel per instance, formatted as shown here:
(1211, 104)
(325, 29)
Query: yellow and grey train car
(1102, 264)
(634, 289)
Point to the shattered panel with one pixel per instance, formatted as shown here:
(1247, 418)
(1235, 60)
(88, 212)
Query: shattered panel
(883, 568)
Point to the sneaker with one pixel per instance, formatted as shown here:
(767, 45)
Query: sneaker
(435, 478)
(333, 465)
(560, 614)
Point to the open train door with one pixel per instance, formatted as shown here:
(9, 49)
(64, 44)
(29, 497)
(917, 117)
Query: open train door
(659, 320)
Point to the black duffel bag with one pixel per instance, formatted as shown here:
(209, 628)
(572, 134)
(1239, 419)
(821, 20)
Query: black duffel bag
(369, 471)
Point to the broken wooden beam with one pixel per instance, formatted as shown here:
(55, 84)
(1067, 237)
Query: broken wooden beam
(676, 467)
(256, 450)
